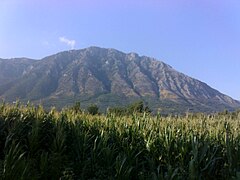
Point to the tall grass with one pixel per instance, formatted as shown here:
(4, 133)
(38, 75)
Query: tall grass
(35, 144)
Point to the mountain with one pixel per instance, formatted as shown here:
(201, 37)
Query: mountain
(106, 77)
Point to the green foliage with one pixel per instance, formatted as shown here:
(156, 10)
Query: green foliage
(77, 107)
(92, 109)
(138, 107)
(16, 166)
(118, 111)
(69, 145)
(135, 107)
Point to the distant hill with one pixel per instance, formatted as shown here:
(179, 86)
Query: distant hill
(107, 77)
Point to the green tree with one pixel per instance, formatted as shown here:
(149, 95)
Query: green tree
(138, 107)
(77, 107)
(119, 111)
(92, 109)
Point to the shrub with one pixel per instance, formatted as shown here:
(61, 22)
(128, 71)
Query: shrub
(92, 109)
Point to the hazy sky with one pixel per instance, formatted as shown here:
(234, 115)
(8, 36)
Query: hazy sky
(200, 38)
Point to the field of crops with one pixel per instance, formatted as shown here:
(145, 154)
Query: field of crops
(35, 144)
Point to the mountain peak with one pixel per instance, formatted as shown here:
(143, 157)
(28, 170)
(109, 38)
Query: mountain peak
(108, 77)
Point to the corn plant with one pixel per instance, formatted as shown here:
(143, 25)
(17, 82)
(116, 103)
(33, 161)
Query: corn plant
(70, 144)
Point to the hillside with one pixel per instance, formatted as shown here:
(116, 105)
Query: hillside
(107, 77)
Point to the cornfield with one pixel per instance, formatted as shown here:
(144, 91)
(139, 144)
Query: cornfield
(35, 144)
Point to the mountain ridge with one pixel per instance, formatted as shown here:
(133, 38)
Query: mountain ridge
(105, 77)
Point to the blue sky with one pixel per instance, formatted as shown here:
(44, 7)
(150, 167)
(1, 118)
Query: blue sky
(200, 38)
